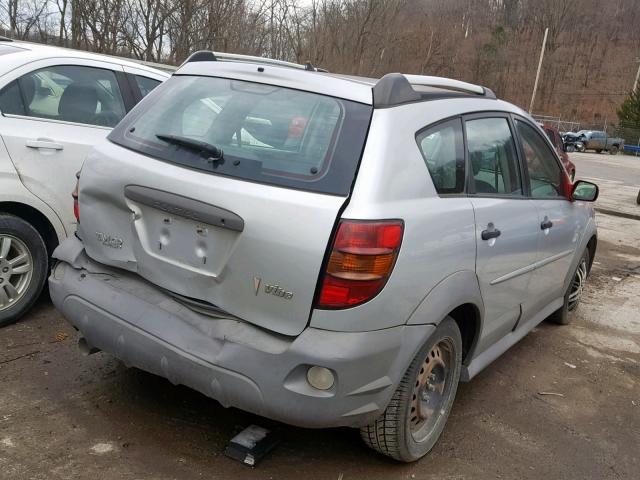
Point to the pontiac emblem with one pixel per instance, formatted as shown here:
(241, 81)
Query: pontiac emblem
(256, 284)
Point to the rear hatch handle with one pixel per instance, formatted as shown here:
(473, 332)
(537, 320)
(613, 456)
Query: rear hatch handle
(184, 207)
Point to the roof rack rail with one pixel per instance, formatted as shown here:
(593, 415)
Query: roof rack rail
(210, 56)
(396, 88)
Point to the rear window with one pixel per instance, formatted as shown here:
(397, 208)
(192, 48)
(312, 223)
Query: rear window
(268, 134)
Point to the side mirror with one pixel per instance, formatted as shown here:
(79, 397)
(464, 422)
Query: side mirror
(585, 191)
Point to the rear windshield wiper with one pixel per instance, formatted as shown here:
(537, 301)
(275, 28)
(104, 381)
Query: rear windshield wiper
(213, 153)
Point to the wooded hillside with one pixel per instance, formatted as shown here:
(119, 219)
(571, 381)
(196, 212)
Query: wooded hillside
(589, 67)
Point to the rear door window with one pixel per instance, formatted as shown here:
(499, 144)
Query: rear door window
(146, 84)
(493, 159)
(442, 148)
(67, 92)
(267, 133)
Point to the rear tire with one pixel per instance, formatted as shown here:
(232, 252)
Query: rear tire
(418, 411)
(613, 150)
(573, 295)
(23, 267)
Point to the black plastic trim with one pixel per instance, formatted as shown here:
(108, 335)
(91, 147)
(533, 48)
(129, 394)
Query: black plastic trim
(133, 85)
(128, 95)
(394, 89)
(201, 56)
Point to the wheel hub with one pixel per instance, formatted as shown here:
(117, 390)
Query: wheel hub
(16, 269)
(429, 390)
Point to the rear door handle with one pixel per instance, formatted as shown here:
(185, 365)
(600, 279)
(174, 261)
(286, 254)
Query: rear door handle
(546, 224)
(44, 143)
(490, 232)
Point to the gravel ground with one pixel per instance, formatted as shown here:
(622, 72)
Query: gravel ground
(66, 416)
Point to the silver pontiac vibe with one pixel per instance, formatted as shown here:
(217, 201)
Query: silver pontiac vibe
(323, 250)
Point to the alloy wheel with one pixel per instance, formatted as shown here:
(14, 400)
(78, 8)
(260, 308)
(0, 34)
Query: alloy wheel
(577, 285)
(16, 269)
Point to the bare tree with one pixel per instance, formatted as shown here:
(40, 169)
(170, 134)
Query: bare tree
(492, 42)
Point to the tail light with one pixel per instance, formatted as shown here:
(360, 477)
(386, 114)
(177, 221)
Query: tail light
(74, 194)
(362, 257)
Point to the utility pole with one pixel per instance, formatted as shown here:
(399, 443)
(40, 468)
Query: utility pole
(535, 85)
(635, 84)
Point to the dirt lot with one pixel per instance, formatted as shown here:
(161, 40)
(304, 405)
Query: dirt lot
(65, 416)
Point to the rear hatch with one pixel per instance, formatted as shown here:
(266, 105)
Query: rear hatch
(225, 192)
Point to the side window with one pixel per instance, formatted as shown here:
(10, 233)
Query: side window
(146, 84)
(443, 150)
(492, 154)
(69, 93)
(11, 99)
(545, 173)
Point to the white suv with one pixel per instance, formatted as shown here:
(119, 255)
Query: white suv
(55, 104)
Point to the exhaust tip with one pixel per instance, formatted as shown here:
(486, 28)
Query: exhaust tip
(86, 348)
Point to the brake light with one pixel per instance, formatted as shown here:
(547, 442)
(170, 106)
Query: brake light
(74, 194)
(362, 257)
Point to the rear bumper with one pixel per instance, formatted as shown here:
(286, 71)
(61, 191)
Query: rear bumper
(236, 363)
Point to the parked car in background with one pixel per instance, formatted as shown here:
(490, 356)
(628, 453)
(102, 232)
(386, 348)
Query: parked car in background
(572, 142)
(559, 146)
(599, 141)
(323, 250)
(55, 104)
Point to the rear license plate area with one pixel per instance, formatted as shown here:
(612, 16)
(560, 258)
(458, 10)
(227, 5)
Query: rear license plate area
(184, 242)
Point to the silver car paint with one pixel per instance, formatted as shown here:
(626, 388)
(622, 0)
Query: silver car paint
(233, 361)
(393, 182)
(279, 244)
(325, 84)
(442, 262)
(504, 265)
